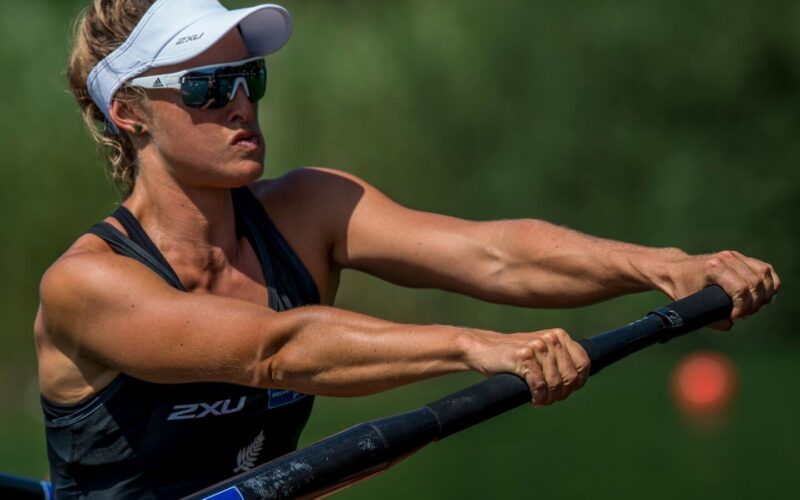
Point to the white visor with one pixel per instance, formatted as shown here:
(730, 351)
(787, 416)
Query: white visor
(174, 31)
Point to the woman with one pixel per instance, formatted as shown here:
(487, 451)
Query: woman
(173, 348)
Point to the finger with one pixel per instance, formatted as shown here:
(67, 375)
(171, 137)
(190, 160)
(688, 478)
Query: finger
(566, 376)
(764, 286)
(741, 303)
(565, 363)
(769, 283)
(775, 279)
(724, 325)
(581, 361)
(536, 382)
(733, 284)
(745, 268)
(773, 282)
(546, 359)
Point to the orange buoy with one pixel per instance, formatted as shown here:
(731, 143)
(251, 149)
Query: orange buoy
(703, 385)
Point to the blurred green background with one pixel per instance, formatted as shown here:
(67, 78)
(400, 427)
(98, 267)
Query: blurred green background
(665, 123)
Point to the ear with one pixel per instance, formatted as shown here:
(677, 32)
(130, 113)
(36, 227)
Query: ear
(128, 117)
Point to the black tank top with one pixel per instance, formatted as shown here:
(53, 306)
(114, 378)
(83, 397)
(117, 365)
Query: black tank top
(136, 439)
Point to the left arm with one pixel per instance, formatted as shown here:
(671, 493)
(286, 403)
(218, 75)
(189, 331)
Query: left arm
(525, 262)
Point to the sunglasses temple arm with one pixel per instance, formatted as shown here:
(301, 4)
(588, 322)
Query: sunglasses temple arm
(172, 81)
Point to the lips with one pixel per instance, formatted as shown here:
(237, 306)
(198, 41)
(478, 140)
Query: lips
(246, 139)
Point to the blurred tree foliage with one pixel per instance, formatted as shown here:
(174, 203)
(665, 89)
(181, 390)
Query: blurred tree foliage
(665, 123)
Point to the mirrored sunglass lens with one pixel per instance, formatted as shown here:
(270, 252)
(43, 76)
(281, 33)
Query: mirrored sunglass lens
(258, 85)
(224, 86)
(236, 70)
(194, 91)
(213, 88)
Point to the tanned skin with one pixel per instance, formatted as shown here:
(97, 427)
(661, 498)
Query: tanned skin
(102, 314)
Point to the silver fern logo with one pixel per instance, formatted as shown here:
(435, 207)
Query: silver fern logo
(246, 459)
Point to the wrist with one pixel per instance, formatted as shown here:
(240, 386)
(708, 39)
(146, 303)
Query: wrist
(658, 269)
(474, 346)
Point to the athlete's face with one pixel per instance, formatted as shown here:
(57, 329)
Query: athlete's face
(207, 147)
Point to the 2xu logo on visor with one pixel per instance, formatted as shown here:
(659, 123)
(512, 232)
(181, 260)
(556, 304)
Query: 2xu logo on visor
(190, 38)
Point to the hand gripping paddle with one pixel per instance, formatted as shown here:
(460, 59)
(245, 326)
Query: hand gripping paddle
(371, 447)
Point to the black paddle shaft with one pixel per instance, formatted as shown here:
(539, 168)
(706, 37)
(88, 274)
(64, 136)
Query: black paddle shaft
(368, 448)
(18, 488)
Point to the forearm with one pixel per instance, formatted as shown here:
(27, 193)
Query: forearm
(333, 352)
(538, 264)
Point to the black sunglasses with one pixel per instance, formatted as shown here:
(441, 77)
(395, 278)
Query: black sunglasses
(212, 86)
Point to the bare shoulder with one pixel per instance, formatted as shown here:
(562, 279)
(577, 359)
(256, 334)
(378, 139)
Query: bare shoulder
(315, 188)
(102, 314)
(313, 209)
(60, 282)
(86, 260)
(321, 199)
(87, 281)
(88, 274)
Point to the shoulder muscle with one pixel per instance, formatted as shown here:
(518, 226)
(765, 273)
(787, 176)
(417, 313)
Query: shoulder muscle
(114, 311)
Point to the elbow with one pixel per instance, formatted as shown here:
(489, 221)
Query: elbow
(505, 247)
(267, 365)
(269, 373)
(276, 373)
(288, 357)
(272, 366)
(283, 357)
(290, 369)
(497, 264)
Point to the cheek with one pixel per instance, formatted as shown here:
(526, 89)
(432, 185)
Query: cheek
(196, 149)
(182, 140)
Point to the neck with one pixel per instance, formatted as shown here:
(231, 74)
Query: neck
(191, 226)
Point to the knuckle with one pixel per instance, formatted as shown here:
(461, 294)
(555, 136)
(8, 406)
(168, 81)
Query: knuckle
(740, 288)
(539, 346)
(524, 353)
(562, 335)
(549, 337)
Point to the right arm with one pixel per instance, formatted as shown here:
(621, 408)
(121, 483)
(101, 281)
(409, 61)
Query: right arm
(114, 311)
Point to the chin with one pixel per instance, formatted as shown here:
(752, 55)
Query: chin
(245, 173)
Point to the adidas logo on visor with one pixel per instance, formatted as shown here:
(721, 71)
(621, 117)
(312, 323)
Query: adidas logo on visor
(157, 83)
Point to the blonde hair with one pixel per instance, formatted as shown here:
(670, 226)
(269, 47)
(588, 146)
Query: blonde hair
(101, 28)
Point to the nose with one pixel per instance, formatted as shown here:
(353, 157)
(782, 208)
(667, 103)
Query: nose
(241, 109)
